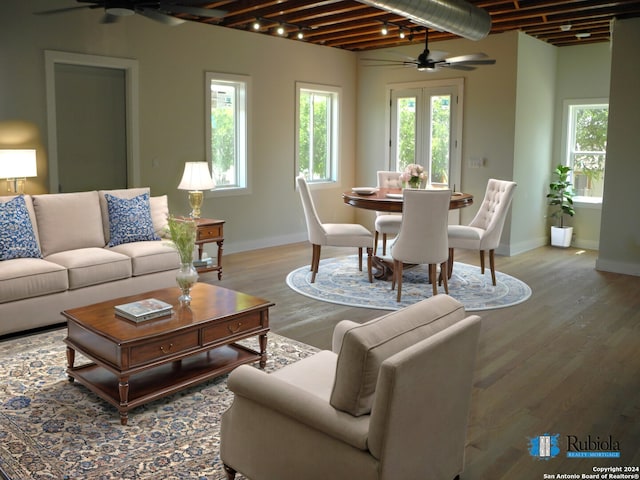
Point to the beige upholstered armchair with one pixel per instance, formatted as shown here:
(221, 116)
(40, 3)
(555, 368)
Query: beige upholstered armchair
(389, 402)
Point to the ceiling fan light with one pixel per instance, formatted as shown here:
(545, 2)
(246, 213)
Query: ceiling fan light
(565, 28)
(583, 35)
(120, 11)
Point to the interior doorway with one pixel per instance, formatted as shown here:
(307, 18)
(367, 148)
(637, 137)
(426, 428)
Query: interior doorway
(92, 122)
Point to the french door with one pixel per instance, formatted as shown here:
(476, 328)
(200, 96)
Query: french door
(426, 128)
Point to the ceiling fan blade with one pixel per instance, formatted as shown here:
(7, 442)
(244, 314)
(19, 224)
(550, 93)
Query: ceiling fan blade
(160, 17)
(62, 10)
(197, 11)
(488, 61)
(466, 58)
(437, 55)
(108, 18)
(457, 66)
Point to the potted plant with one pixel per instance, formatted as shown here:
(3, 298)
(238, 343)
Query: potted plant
(561, 198)
(183, 236)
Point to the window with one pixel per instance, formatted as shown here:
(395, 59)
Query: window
(317, 132)
(586, 147)
(227, 100)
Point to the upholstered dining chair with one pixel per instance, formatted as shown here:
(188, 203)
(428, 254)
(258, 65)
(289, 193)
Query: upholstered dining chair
(423, 236)
(387, 223)
(485, 230)
(390, 401)
(333, 234)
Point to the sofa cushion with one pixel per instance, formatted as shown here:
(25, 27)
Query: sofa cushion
(149, 257)
(129, 220)
(120, 193)
(159, 215)
(364, 348)
(67, 221)
(91, 266)
(17, 237)
(30, 277)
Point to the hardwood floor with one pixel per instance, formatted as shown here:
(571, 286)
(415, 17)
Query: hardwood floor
(567, 361)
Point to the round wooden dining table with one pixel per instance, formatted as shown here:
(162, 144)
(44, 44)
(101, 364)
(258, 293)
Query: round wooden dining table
(390, 200)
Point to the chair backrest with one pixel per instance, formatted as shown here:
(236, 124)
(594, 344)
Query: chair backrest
(493, 211)
(423, 233)
(315, 230)
(420, 413)
(388, 179)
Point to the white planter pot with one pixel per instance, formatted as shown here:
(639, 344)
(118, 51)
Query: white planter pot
(561, 236)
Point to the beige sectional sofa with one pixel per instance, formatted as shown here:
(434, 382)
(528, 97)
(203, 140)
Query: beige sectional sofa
(84, 248)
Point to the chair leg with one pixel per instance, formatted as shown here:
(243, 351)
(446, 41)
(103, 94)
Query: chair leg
(384, 244)
(360, 258)
(231, 473)
(315, 261)
(397, 273)
(432, 276)
(482, 262)
(450, 263)
(492, 266)
(444, 268)
(375, 241)
(370, 263)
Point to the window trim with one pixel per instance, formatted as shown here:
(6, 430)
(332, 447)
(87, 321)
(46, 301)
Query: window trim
(336, 95)
(244, 114)
(581, 201)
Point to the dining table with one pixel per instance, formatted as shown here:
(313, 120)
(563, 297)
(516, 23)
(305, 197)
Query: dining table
(389, 200)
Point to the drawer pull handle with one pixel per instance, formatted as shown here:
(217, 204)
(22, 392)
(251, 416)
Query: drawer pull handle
(237, 327)
(166, 350)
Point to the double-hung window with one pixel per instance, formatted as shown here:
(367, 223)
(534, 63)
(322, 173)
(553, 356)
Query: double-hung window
(227, 98)
(317, 115)
(586, 146)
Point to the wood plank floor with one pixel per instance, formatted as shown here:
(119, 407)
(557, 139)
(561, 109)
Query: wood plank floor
(567, 361)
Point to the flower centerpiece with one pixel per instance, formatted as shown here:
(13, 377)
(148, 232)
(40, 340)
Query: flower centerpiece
(182, 232)
(413, 175)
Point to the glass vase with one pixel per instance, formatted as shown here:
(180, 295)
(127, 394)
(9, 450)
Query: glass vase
(414, 183)
(186, 278)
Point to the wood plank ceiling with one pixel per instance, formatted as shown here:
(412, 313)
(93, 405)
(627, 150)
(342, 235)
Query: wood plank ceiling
(354, 26)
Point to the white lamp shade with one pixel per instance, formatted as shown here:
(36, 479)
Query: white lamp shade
(18, 163)
(196, 176)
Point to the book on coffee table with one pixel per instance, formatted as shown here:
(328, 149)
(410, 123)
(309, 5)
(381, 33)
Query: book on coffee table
(142, 310)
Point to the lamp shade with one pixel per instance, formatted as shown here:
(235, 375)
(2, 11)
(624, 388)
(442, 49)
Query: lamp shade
(17, 163)
(196, 176)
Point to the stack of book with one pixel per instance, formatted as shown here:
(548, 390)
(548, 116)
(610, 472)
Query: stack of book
(205, 262)
(143, 310)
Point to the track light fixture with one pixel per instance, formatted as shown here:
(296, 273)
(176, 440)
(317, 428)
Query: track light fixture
(401, 34)
(256, 25)
(384, 30)
(279, 28)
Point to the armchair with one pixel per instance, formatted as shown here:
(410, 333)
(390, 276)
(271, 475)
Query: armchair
(390, 401)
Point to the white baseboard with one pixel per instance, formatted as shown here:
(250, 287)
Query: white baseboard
(245, 246)
(521, 247)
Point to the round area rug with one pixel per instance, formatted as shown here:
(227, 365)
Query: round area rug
(339, 281)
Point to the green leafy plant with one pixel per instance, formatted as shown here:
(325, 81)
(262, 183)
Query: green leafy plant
(183, 235)
(561, 194)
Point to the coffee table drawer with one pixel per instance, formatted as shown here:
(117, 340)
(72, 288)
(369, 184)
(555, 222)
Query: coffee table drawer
(170, 346)
(231, 327)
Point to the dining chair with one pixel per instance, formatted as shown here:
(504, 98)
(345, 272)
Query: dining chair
(423, 236)
(333, 234)
(484, 231)
(387, 223)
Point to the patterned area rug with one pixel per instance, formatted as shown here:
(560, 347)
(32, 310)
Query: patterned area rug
(53, 429)
(339, 281)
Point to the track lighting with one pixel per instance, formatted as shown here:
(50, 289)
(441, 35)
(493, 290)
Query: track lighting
(384, 30)
(256, 25)
(280, 29)
(401, 34)
(300, 35)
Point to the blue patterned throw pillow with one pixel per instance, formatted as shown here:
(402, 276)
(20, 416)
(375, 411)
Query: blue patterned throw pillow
(129, 219)
(17, 239)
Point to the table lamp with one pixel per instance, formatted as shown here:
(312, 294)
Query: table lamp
(196, 178)
(15, 165)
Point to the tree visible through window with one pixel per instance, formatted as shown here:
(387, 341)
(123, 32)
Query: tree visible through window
(586, 146)
(227, 132)
(317, 127)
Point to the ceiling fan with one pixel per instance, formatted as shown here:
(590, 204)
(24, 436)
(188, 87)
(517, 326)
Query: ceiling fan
(429, 61)
(159, 10)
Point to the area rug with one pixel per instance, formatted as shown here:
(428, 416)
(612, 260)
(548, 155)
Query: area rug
(53, 429)
(339, 281)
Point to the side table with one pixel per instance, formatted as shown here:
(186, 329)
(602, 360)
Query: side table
(209, 231)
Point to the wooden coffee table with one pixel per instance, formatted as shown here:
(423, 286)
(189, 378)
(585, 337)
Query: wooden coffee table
(136, 363)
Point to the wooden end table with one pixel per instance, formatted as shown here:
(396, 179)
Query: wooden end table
(210, 230)
(136, 363)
